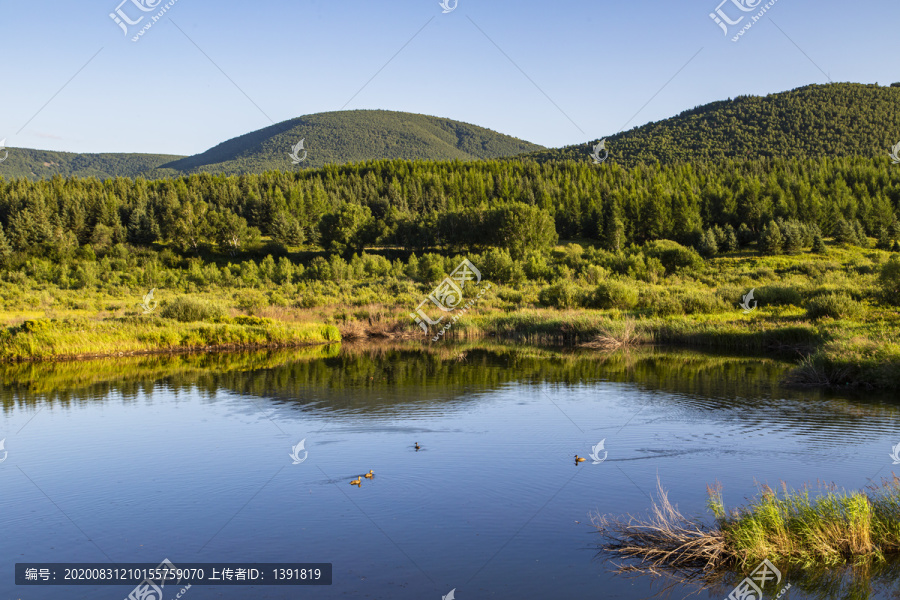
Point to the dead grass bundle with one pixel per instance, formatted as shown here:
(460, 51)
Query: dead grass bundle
(614, 338)
(666, 540)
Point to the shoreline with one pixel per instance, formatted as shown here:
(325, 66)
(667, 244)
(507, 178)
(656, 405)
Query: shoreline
(825, 355)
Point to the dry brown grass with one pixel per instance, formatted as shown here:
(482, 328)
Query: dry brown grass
(667, 540)
(614, 338)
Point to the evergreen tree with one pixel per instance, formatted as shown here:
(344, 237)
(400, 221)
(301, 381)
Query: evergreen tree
(745, 235)
(818, 245)
(792, 236)
(845, 233)
(286, 230)
(861, 237)
(614, 230)
(5, 247)
(884, 239)
(770, 240)
(730, 240)
(708, 245)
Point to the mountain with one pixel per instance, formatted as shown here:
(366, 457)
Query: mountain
(833, 120)
(353, 136)
(44, 164)
(816, 121)
(329, 138)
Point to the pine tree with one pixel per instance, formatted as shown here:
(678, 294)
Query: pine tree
(5, 248)
(745, 235)
(818, 245)
(770, 240)
(614, 230)
(730, 242)
(884, 239)
(845, 233)
(709, 247)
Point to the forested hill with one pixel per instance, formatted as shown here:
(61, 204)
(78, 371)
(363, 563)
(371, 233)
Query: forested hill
(44, 164)
(816, 121)
(353, 136)
(329, 138)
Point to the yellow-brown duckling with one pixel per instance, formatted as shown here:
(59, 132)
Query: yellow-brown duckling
(578, 459)
(356, 481)
(418, 447)
(370, 474)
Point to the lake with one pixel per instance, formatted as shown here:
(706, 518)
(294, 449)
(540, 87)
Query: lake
(191, 458)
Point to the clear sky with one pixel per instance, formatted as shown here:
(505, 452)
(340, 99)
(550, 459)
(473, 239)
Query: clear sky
(554, 72)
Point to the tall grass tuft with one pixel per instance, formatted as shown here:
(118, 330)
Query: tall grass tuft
(791, 527)
(187, 310)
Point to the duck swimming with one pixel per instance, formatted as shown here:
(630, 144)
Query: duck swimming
(370, 474)
(356, 481)
(578, 459)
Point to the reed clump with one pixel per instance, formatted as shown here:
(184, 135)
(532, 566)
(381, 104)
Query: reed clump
(789, 527)
(622, 334)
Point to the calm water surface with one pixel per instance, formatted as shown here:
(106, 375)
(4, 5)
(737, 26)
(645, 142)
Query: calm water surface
(187, 458)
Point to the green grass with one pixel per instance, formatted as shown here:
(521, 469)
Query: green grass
(68, 338)
(830, 312)
(791, 528)
(795, 527)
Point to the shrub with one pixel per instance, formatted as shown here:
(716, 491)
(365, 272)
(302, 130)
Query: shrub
(701, 302)
(512, 296)
(673, 256)
(780, 295)
(560, 295)
(319, 270)
(498, 266)
(251, 300)
(837, 306)
(889, 278)
(614, 294)
(187, 309)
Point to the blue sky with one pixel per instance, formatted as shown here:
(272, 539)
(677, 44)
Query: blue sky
(209, 71)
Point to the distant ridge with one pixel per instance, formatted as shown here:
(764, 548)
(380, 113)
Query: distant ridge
(44, 164)
(353, 136)
(329, 138)
(838, 119)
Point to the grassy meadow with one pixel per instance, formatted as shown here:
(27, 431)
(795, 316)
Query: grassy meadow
(832, 311)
